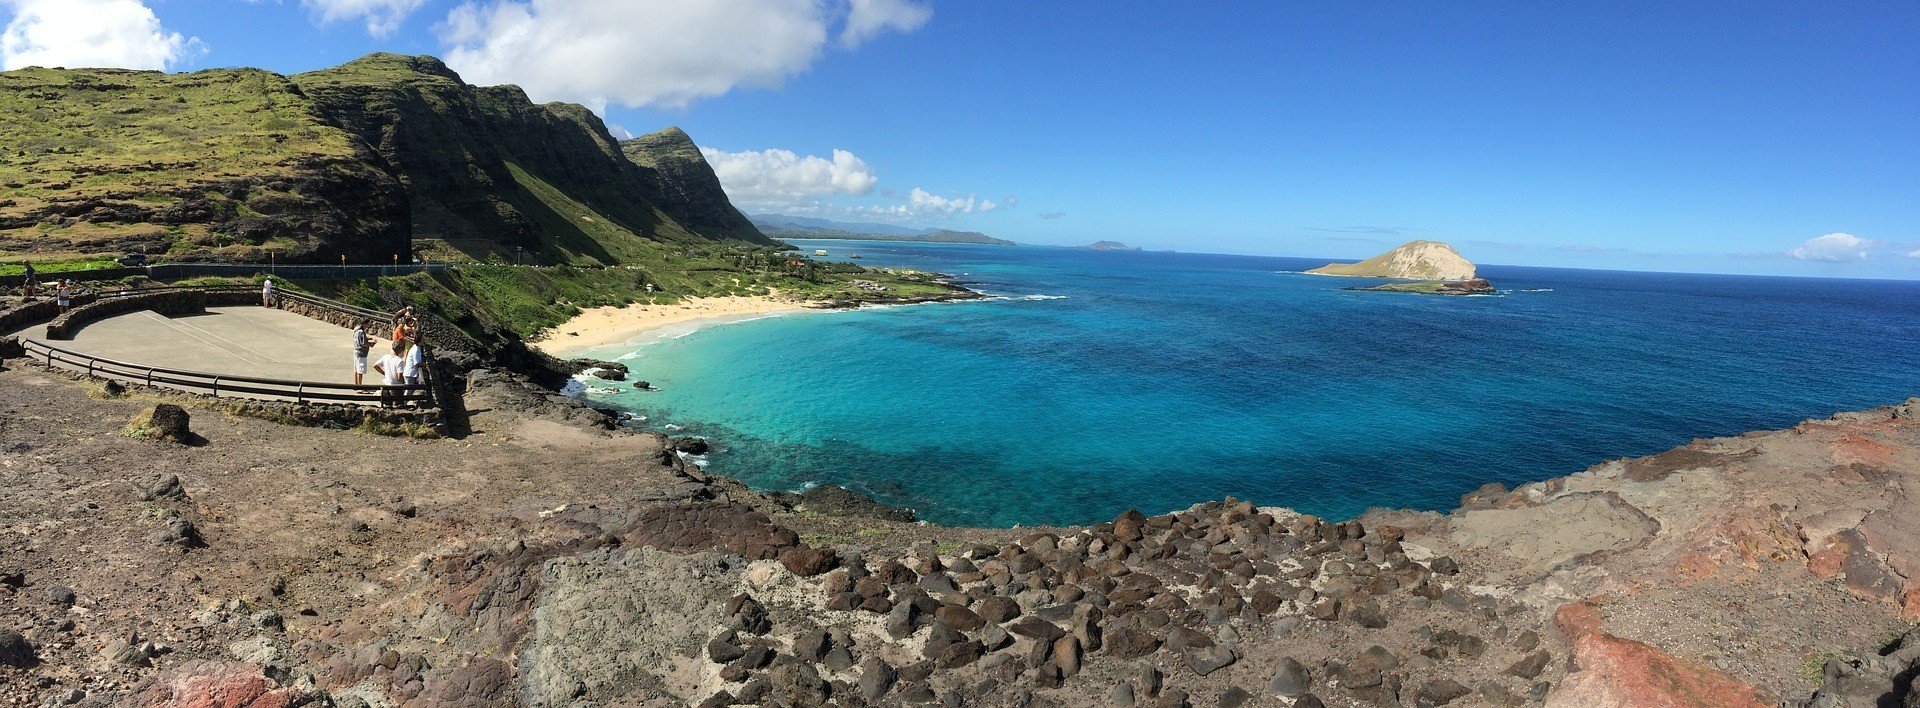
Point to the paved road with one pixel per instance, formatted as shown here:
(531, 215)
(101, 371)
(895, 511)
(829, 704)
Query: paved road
(243, 341)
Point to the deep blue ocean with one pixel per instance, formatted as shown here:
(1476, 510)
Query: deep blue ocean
(1105, 380)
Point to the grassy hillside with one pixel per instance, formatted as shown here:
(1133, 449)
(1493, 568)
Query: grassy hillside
(224, 164)
(382, 156)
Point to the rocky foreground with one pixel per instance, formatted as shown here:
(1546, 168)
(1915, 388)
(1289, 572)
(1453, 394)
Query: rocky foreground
(551, 559)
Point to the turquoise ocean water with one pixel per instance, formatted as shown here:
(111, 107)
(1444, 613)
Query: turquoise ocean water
(1099, 381)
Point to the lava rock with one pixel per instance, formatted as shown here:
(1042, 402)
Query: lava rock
(1206, 660)
(807, 562)
(16, 651)
(1291, 678)
(876, 678)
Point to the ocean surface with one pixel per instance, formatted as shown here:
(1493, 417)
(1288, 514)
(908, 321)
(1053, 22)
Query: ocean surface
(1098, 381)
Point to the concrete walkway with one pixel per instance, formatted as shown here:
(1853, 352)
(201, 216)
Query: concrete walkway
(241, 341)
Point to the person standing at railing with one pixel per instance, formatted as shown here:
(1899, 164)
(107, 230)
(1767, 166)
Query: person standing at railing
(361, 345)
(266, 292)
(392, 368)
(415, 371)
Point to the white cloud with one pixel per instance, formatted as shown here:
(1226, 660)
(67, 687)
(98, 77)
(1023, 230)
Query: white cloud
(868, 18)
(1915, 253)
(664, 53)
(924, 203)
(383, 17)
(1833, 248)
(810, 185)
(779, 177)
(90, 33)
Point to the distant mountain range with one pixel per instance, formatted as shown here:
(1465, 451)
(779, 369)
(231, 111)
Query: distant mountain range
(782, 226)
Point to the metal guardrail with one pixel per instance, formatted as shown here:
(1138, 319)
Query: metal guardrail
(243, 386)
(217, 384)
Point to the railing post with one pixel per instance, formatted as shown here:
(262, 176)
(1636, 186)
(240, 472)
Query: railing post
(149, 377)
(216, 387)
(300, 394)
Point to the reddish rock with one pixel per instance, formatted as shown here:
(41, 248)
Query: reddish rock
(808, 562)
(238, 687)
(1625, 673)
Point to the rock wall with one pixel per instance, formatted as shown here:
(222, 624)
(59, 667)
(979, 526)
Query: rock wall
(169, 302)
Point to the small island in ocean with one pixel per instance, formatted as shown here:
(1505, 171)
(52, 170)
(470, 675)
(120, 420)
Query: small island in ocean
(1434, 267)
(1110, 246)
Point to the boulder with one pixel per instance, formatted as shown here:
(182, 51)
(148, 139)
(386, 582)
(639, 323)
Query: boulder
(1206, 660)
(16, 651)
(1291, 679)
(807, 562)
(876, 678)
(165, 421)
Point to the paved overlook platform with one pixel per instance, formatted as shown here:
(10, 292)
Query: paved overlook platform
(241, 341)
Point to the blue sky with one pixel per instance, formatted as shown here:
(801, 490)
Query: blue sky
(1761, 137)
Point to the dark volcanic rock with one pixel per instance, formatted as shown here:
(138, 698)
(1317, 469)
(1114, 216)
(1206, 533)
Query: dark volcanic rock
(876, 678)
(724, 526)
(808, 562)
(833, 500)
(1291, 678)
(1206, 660)
(16, 651)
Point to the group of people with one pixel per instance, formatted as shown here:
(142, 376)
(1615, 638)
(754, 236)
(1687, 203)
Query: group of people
(404, 366)
(63, 291)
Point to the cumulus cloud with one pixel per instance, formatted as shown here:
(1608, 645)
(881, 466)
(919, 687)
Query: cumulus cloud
(90, 33)
(382, 17)
(664, 53)
(866, 19)
(1833, 248)
(778, 178)
(924, 203)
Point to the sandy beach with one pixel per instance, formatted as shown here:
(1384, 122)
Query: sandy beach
(604, 326)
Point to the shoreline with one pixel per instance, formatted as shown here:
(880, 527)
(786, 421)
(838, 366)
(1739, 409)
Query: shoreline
(609, 326)
(602, 327)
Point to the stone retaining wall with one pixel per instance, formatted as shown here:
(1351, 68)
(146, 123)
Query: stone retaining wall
(169, 302)
(20, 316)
(328, 315)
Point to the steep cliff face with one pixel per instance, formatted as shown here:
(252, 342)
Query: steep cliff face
(489, 174)
(224, 164)
(1421, 260)
(679, 179)
(378, 158)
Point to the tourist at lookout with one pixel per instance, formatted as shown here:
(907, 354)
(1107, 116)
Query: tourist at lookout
(361, 345)
(32, 282)
(266, 292)
(63, 295)
(392, 370)
(414, 372)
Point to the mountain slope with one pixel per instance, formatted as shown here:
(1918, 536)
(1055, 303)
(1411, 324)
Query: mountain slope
(223, 164)
(489, 173)
(683, 184)
(382, 157)
(1421, 260)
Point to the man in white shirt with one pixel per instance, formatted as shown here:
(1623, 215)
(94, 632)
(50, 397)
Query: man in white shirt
(416, 359)
(392, 370)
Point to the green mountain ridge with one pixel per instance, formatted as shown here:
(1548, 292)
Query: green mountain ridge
(385, 156)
